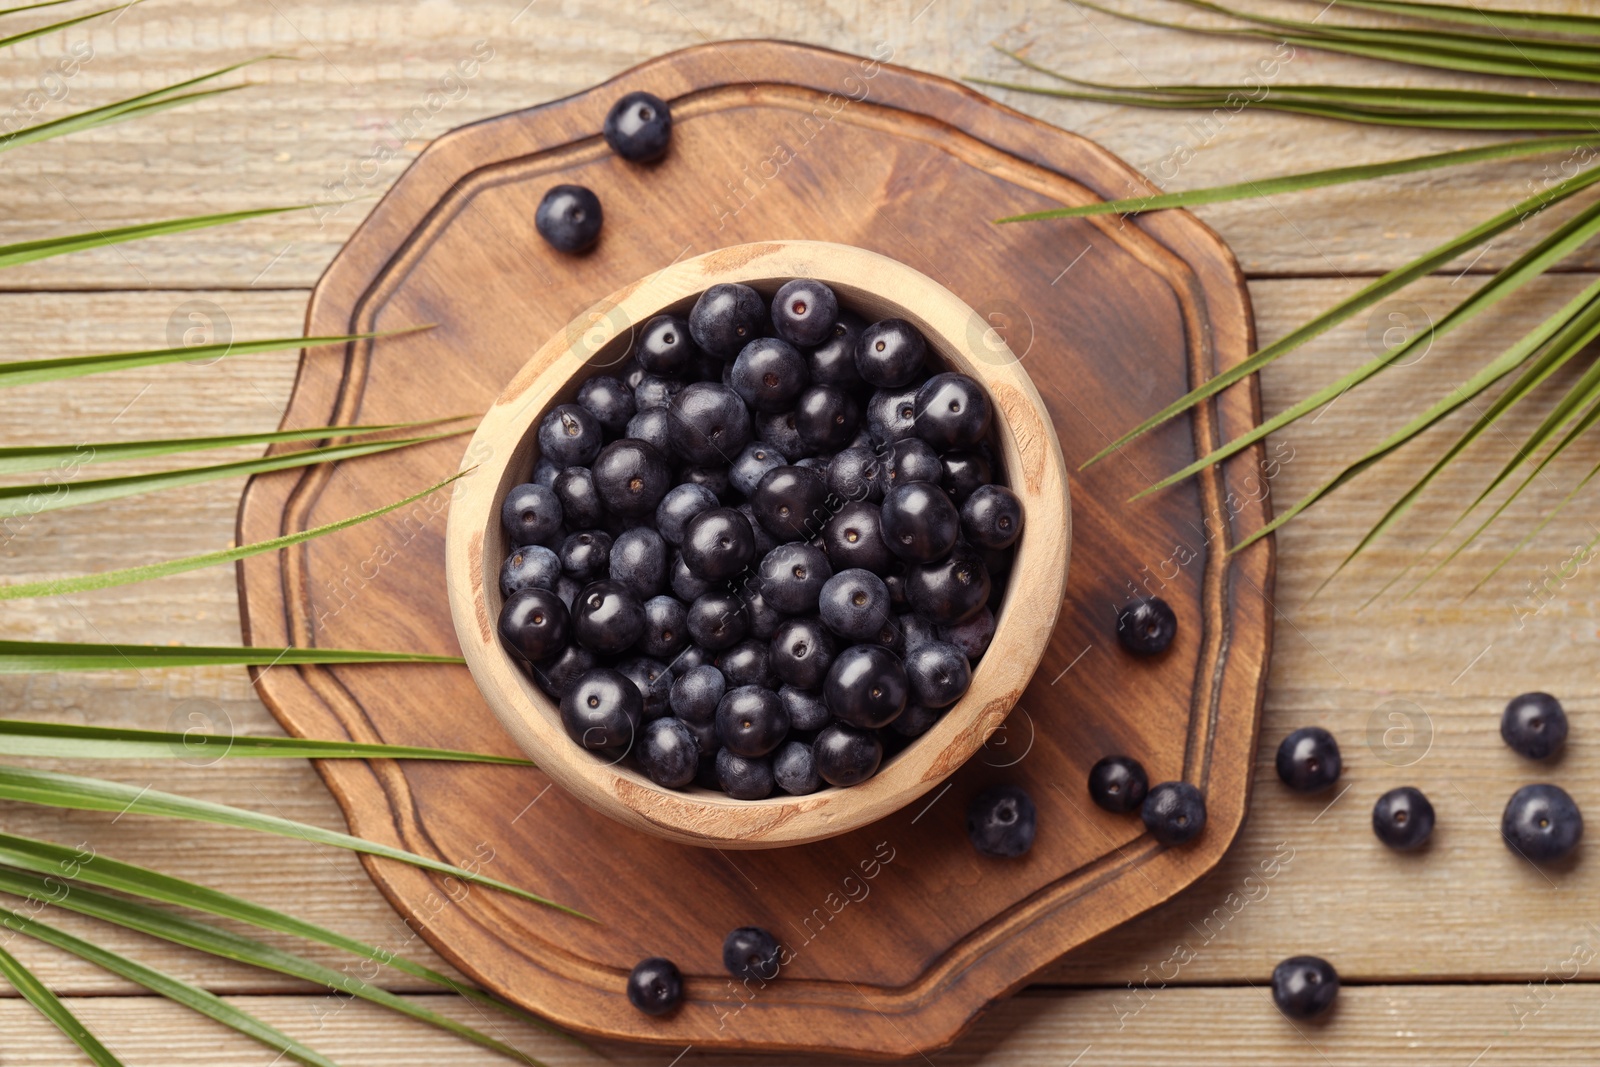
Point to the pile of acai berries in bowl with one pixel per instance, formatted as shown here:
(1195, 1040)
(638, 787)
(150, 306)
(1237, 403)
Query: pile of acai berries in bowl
(747, 564)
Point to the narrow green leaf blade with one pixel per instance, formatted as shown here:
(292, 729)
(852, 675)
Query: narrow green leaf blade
(33, 371)
(1370, 294)
(33, 499)
(13, 255)
(1560, 243)
(70, 741)
(1312, 179)
(57, 790)
(175, 990)
(218, 942)
(34, 657)
(1492, 18)
(25, 458)
(128, 575)
(40, 31)
(57, 861)
(35, 993)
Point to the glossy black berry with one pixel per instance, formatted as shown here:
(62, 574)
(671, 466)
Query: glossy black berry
(971, 636)
(890, 354)
(752, 463)
(951, 590)
(827, 418)
(764, 619)
(639, 559)
(718, 544)
(726, 317)
(639, 127)
(653, 679)
(769, 374)
(710, 425)
(964, 473)
(1541, 823)
(794, 769)
(751, 954)
(833, 360)
(580, 501)
(1147, 626)
(534, 623)
(892, 415)
(992, 518)
(909, 460)
(560, 672)
(602, 710)
(1535, 725)
(919, 522)
(747, 663)
(655, 987)
(607, 617)
(855, 604)
(846, 755)
(916, 720)
(1403, 819)
(653, 427)
(952, 411)
(1174, 812)
(717, 621)
(1304, 986)
(1002, 821)
(569, 218)
(531, 514)
(631, 478)
(765, 542)
(939, 674)
(532, 566)
(808, 712)
(668, 753)
(666, 627)
(918, 631)
(790, 503)
(803, 312)
(1308, 760)
(665, 347)
(696, 692)
(570, 437)
(682, 503)
(1118, 784)
(751, 721)
(608, 400)
(686, 585)
(853, 476)
(802, 650)
(742, 777)
(866, 686)
(586, 555)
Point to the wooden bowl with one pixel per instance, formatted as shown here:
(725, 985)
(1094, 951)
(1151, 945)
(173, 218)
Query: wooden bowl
(503, 452)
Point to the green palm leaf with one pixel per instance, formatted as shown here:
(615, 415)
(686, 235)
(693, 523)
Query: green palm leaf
(40, 31)
(149, 571)
(173, 989)
(52, 789)
(35, 657)
(1492, 18)
(52, 860)
(69, 741)
(1369, 295)
(35, 993)
(23, 459)
(214, 940)
(18, 500)
(1560, 243)
(13, 255)
(1311, 180)
(33, 371)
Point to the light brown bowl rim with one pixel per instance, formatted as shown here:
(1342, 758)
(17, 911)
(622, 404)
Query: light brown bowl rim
(877, 286)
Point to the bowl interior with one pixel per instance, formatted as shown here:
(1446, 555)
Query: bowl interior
(601, 339)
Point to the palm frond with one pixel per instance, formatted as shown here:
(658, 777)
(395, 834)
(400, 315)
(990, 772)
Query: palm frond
(1490, 18)
(41, 31)
(174, 989)
(49, 1005)
(14, 255)
(35, 657)
(52, 789)
(19, 737)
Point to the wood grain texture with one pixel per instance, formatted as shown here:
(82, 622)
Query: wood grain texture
(502, 454)
(1157, 302)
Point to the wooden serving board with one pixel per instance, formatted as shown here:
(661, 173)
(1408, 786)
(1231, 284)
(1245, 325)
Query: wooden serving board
(900, 933)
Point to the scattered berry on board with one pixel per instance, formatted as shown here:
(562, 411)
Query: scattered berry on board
(569, 217)
(761, 554)
(1147, 626)
(1541, 823)
(655, 987)
(1308, 760)
(1174, 813)
(1118, 784)
(1304, 986)
(1403, 818)
(1002, 821)
(1535, 725)
(639, 127)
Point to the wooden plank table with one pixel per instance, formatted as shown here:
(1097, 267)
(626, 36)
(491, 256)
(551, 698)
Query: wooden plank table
(1457, 956)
